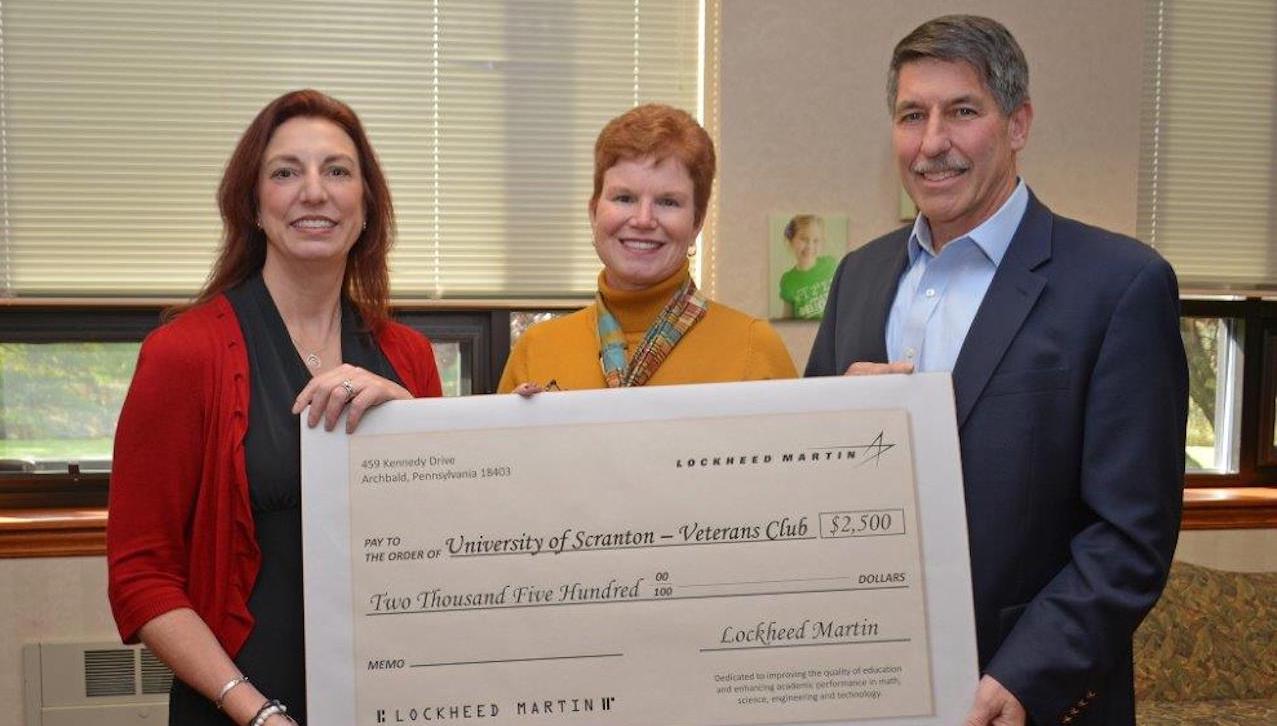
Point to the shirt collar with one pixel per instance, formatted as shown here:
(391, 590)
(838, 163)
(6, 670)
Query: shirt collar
(992, 237)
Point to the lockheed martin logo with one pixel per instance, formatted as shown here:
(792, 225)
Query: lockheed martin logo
(857, 454)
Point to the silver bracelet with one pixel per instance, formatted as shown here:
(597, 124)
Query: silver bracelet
(271, 708)
(220, 701)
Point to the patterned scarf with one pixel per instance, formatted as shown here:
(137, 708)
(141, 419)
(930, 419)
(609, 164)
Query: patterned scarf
(682, 311)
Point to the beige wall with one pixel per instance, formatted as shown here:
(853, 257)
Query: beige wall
(47, 599)
(804, 122)
(1242, 550)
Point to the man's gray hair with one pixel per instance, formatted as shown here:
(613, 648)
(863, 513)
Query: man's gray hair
(983, 43)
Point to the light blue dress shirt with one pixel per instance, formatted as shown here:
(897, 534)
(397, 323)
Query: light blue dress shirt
(939, 294)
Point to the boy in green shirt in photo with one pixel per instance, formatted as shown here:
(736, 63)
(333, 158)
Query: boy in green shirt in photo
(804, 287)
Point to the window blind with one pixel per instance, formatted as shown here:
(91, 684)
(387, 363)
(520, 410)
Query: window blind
(1207, 191)
(118, 117)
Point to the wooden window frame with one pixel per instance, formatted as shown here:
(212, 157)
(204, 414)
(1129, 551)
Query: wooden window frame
(1259, 325)
(1268, 401)
(1247, 498)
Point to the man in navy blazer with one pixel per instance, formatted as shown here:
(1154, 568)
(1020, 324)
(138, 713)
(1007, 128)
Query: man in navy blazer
(1068, 372)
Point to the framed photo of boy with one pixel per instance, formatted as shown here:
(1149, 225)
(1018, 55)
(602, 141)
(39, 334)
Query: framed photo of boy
(803, 252)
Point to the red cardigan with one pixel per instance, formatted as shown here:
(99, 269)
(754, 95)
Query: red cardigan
(180, 527)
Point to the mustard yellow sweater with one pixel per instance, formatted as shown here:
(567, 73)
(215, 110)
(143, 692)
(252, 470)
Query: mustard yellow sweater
(725, 345)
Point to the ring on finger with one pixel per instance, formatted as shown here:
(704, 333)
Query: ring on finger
(350, 390)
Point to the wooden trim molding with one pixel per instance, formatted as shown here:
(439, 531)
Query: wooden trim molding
(73, 532)
(52, 532)
(1230, 508)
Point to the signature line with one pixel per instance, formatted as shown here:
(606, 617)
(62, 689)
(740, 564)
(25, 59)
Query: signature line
(518, 660)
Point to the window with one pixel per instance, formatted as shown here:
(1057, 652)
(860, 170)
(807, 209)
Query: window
(59, 402)
(484, 113)
(1213, 348)
(1206, 192)
(521, 321)
(1230, 349)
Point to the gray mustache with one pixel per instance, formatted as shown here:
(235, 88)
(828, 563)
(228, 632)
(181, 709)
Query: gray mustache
(935, 166)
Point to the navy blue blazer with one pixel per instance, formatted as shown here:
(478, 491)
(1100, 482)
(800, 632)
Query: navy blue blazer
(1072, 392)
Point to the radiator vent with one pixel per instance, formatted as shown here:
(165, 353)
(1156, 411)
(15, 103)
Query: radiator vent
(97, 682)
(156, 677)
(109, 672)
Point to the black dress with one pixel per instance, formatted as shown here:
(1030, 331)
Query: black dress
(274, 656)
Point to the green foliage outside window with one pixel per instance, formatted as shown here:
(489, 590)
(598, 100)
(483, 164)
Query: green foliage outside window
(61, 400)
(1201, 344)
(448, 361)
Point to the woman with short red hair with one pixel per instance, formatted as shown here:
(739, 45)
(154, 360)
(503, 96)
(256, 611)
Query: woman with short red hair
(649, 325)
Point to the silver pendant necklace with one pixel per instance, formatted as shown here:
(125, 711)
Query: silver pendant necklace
(310, 354)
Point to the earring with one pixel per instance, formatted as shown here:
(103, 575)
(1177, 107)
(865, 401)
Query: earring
(691, 251)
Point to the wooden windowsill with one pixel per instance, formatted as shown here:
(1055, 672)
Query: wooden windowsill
(66, 532)
(52, 532)
(1230, 508)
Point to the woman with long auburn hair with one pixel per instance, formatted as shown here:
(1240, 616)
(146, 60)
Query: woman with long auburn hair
(204, 532)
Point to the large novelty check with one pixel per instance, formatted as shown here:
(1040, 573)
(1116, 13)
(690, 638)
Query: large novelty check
(758, 553)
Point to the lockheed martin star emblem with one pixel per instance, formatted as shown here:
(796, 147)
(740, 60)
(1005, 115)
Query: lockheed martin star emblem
(865, 452)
